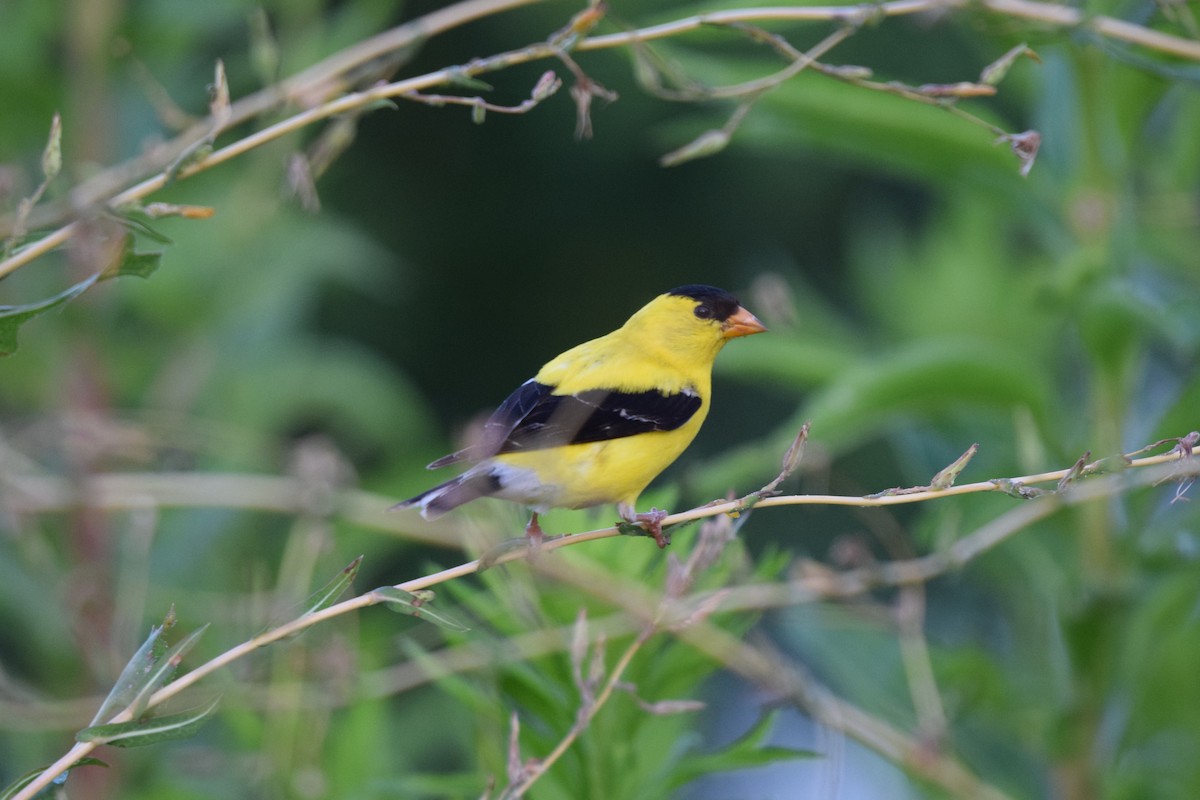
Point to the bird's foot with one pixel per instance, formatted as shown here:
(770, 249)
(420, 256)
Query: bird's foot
(533, 532)
(652, 521)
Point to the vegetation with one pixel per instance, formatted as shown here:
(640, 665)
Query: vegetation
(261, 263)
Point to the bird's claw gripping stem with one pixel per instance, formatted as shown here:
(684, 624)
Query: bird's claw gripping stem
(652, 521)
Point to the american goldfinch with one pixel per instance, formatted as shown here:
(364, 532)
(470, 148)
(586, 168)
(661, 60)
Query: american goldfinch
(600, 421)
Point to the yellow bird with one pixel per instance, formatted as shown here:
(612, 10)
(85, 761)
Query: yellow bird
(602, 420)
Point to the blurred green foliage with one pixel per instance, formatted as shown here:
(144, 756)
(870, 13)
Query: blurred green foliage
(921, 296)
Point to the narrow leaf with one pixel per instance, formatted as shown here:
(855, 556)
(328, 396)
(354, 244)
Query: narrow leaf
(949, 474)
(20, 783)
(461, 80)
(328, 594)
(515, 768)
(218, 102)
(195, 152)
(502, 551)
(546, 86)
(161, 671)
(791, 460)
(403, 602)
(1074, 473)
(579, 646)
(13, 317)
(380, 104)
(52, 155)
(751, 750)
(264, 50)
(706, 144)
(129, 681)
(139, 733)
(994, 73)
(137, 220)
(133, 263)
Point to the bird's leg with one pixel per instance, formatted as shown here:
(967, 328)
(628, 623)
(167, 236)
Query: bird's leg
(651, 520)
(533, 530)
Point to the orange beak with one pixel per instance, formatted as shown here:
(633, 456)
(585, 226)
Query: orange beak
(742, 323)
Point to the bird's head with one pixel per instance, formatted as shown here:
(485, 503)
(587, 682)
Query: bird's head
(694, 320)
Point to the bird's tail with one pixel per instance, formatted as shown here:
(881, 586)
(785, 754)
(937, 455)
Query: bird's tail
(452, 494)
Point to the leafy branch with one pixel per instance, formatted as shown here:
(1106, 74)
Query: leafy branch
(190, 153)
(1085, 481)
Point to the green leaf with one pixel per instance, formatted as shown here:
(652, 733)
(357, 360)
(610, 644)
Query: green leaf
(884, 131)
(403, 602)
(706, 144)
(13, 317)
(380, 104)
(139, 733)
(500, 552)
(994, 73)
(924, 378)
(139, 265)
(52, 155)
(746, 752)
(949, 474)
(131, 262)
(137, 221)
(461, 80)
(467, 692)
(162, 670)
(1074, 473)
(29, 777)
(328, 594)
(129, 682)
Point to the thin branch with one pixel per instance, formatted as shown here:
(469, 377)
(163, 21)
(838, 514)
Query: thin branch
(546, 86)
(538, 768)
(1108, 27)
(1050, 13)
(330, 76)
(785, 679)
(32, 494)
(1151, 470)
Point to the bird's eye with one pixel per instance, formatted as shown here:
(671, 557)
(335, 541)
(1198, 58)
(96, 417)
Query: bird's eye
(703, 311)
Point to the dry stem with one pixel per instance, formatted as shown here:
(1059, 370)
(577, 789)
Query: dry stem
(1149, 471)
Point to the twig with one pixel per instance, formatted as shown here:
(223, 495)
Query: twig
(813, 583)
(587, 711)
(786, 680)
(1176, 464)
(323, 78)
(32, 494)
(546, 86)
(307, 87)
(1050, 13)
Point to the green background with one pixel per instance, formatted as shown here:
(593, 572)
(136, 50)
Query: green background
(921, 295)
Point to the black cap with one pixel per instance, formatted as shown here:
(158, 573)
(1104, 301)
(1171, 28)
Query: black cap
(720, 303)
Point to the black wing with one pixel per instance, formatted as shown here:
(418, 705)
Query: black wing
(532, 418)
(597, 415)
(500, 424)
